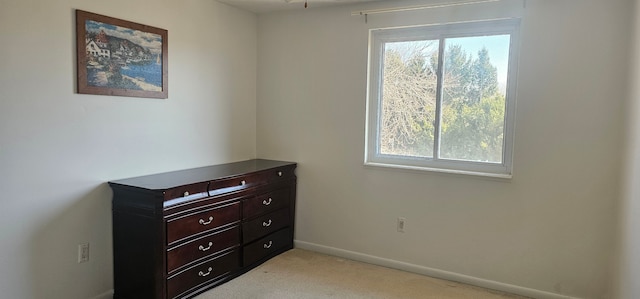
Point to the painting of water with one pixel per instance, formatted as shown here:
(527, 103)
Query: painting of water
(117, 57)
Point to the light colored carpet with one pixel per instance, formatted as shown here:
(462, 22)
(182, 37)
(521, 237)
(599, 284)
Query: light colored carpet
(301, 274)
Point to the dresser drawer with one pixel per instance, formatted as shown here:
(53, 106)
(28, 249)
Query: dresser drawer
(265, 246)
(280, 173)
(202, 273)
(265, 203)
(233, 184)
(202, 247)
(265, 225)
(206, 220)
(249, 180)
(187, 190)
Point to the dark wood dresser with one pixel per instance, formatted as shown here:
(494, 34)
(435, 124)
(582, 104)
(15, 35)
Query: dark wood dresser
(178, 234)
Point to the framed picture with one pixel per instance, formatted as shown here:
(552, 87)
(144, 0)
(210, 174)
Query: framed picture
(120, 58)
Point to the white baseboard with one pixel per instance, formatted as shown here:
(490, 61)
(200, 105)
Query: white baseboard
(105, 295)
(489, 284)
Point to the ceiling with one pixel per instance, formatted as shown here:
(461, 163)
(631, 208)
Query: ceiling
(264, 6)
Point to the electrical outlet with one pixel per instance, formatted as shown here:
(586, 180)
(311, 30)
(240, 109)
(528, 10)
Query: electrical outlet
(400, 224)
(83, 253)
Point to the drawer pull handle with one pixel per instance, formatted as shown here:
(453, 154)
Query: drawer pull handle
(266, 202)
(266, 224)
(267, 246)
(202, 248)
(243, 182)
(202, 274)
(279, 173)
(206, 222)
(186, 193)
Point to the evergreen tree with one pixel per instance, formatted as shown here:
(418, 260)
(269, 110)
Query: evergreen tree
(484, 77)
(474, 118)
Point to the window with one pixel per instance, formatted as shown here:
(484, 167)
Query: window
(442, 97)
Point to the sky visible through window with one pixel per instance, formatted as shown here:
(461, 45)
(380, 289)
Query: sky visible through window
(496, 45)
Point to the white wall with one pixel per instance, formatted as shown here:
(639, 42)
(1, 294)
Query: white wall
(629, 261)
(552, 228)
(549, 230)
(59, 148)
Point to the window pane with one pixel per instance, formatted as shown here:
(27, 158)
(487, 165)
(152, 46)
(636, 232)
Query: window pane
(473, 98)
(408, 102)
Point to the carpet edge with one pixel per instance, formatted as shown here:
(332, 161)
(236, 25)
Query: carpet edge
(436, 273)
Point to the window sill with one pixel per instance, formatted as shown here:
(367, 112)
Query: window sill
(441, 170)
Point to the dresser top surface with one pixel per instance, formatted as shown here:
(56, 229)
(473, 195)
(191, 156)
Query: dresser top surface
(168, 180)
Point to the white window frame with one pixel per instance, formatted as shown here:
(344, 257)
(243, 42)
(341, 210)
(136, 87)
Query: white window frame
(377, 39)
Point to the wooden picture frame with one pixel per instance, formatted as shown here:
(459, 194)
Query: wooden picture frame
(120, 58)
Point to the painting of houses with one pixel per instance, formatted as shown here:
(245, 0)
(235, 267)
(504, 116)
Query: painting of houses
(97, 51)
(120, 57)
